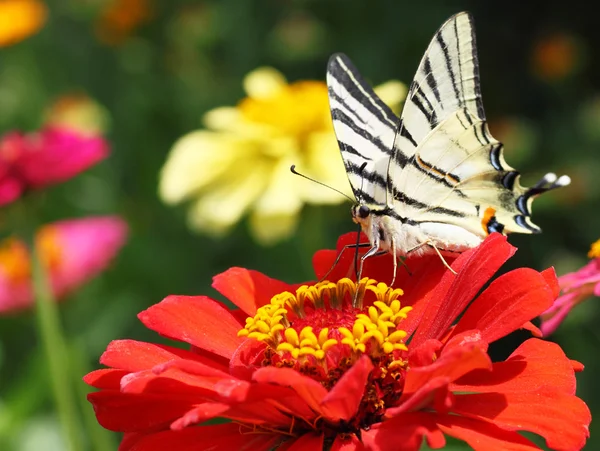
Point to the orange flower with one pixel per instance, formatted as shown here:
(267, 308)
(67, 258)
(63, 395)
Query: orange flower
(20, 19)
(556, 57)
(120, 18)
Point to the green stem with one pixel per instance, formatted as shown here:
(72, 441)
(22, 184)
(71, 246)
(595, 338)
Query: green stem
(50, 332)
(100, 438)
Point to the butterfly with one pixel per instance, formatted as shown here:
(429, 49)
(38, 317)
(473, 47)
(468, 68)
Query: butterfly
(435, 179)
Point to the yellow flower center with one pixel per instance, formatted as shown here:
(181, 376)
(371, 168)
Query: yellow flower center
(326, 323)
(321, 330)
(594, 250)
(15, 261)
(296, 109)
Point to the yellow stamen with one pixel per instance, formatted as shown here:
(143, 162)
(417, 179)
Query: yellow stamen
(594, 250)
(374, 330)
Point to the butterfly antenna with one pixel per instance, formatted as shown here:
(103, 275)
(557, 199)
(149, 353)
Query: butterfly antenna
(293, 170)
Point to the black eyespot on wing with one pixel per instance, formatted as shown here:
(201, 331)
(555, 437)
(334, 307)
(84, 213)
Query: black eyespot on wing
(494, 226)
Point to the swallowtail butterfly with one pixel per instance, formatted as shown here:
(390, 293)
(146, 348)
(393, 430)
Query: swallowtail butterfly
(435, 179)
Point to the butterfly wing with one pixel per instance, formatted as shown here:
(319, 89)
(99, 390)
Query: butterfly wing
(447, 169)
(365, 128)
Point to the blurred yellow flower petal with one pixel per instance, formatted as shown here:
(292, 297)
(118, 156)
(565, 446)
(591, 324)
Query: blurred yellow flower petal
(196, 160)
(222, 206)
(270, 229)
(326, 166)
(393, 93)
(20, 19)
(282, 195)
(242, 162)
(264, 82)
(222, 118)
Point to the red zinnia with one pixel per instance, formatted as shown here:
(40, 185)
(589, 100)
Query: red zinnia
(345, 365)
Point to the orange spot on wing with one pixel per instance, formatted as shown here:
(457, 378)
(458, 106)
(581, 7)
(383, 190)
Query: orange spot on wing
(488, 214)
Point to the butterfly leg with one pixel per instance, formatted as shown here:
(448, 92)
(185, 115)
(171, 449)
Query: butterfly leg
(370, 253)
(339, 256)
(395, 257)
(429, 243)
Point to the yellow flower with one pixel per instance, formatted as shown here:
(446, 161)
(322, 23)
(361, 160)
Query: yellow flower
(20, 19)
(241, 160)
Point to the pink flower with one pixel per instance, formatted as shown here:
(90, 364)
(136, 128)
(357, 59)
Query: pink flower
(43, 158)
(575, 287)
(73, 251)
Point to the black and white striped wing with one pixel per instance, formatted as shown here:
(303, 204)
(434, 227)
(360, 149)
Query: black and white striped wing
(446, 167)
(365, 128)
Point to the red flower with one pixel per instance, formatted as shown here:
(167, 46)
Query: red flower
(344, 365)
(50, 156)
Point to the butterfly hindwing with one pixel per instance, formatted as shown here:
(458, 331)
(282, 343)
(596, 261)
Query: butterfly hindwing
(448, 168)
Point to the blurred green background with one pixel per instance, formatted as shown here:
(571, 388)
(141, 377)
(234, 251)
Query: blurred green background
(540, 71)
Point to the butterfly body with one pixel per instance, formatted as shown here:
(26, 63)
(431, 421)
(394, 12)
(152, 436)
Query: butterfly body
(435, 179)
(389, 232)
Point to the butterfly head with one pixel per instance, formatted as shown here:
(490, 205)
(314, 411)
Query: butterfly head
(370, 221)
(376, 224)
(361, 214)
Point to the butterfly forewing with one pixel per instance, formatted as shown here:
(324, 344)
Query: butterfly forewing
(365, 128)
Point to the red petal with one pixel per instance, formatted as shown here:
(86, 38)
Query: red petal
(123, 412)
(454, 292)
(420, 399)
(404, 433)
(508, 303)
(535, 331)
(344, 398)
(563, 420)
(552, 281)
(577, 366)
(241, 393)
(105, 378)
(452, 363)
(132, 355)
(533, 364)
(197, 320)
(308, 442)
(221, 437)
(347, 443)
(312, 392)
(248, 289)
(483, 436)
(199, 415)
(246, 359)
(469, 337)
